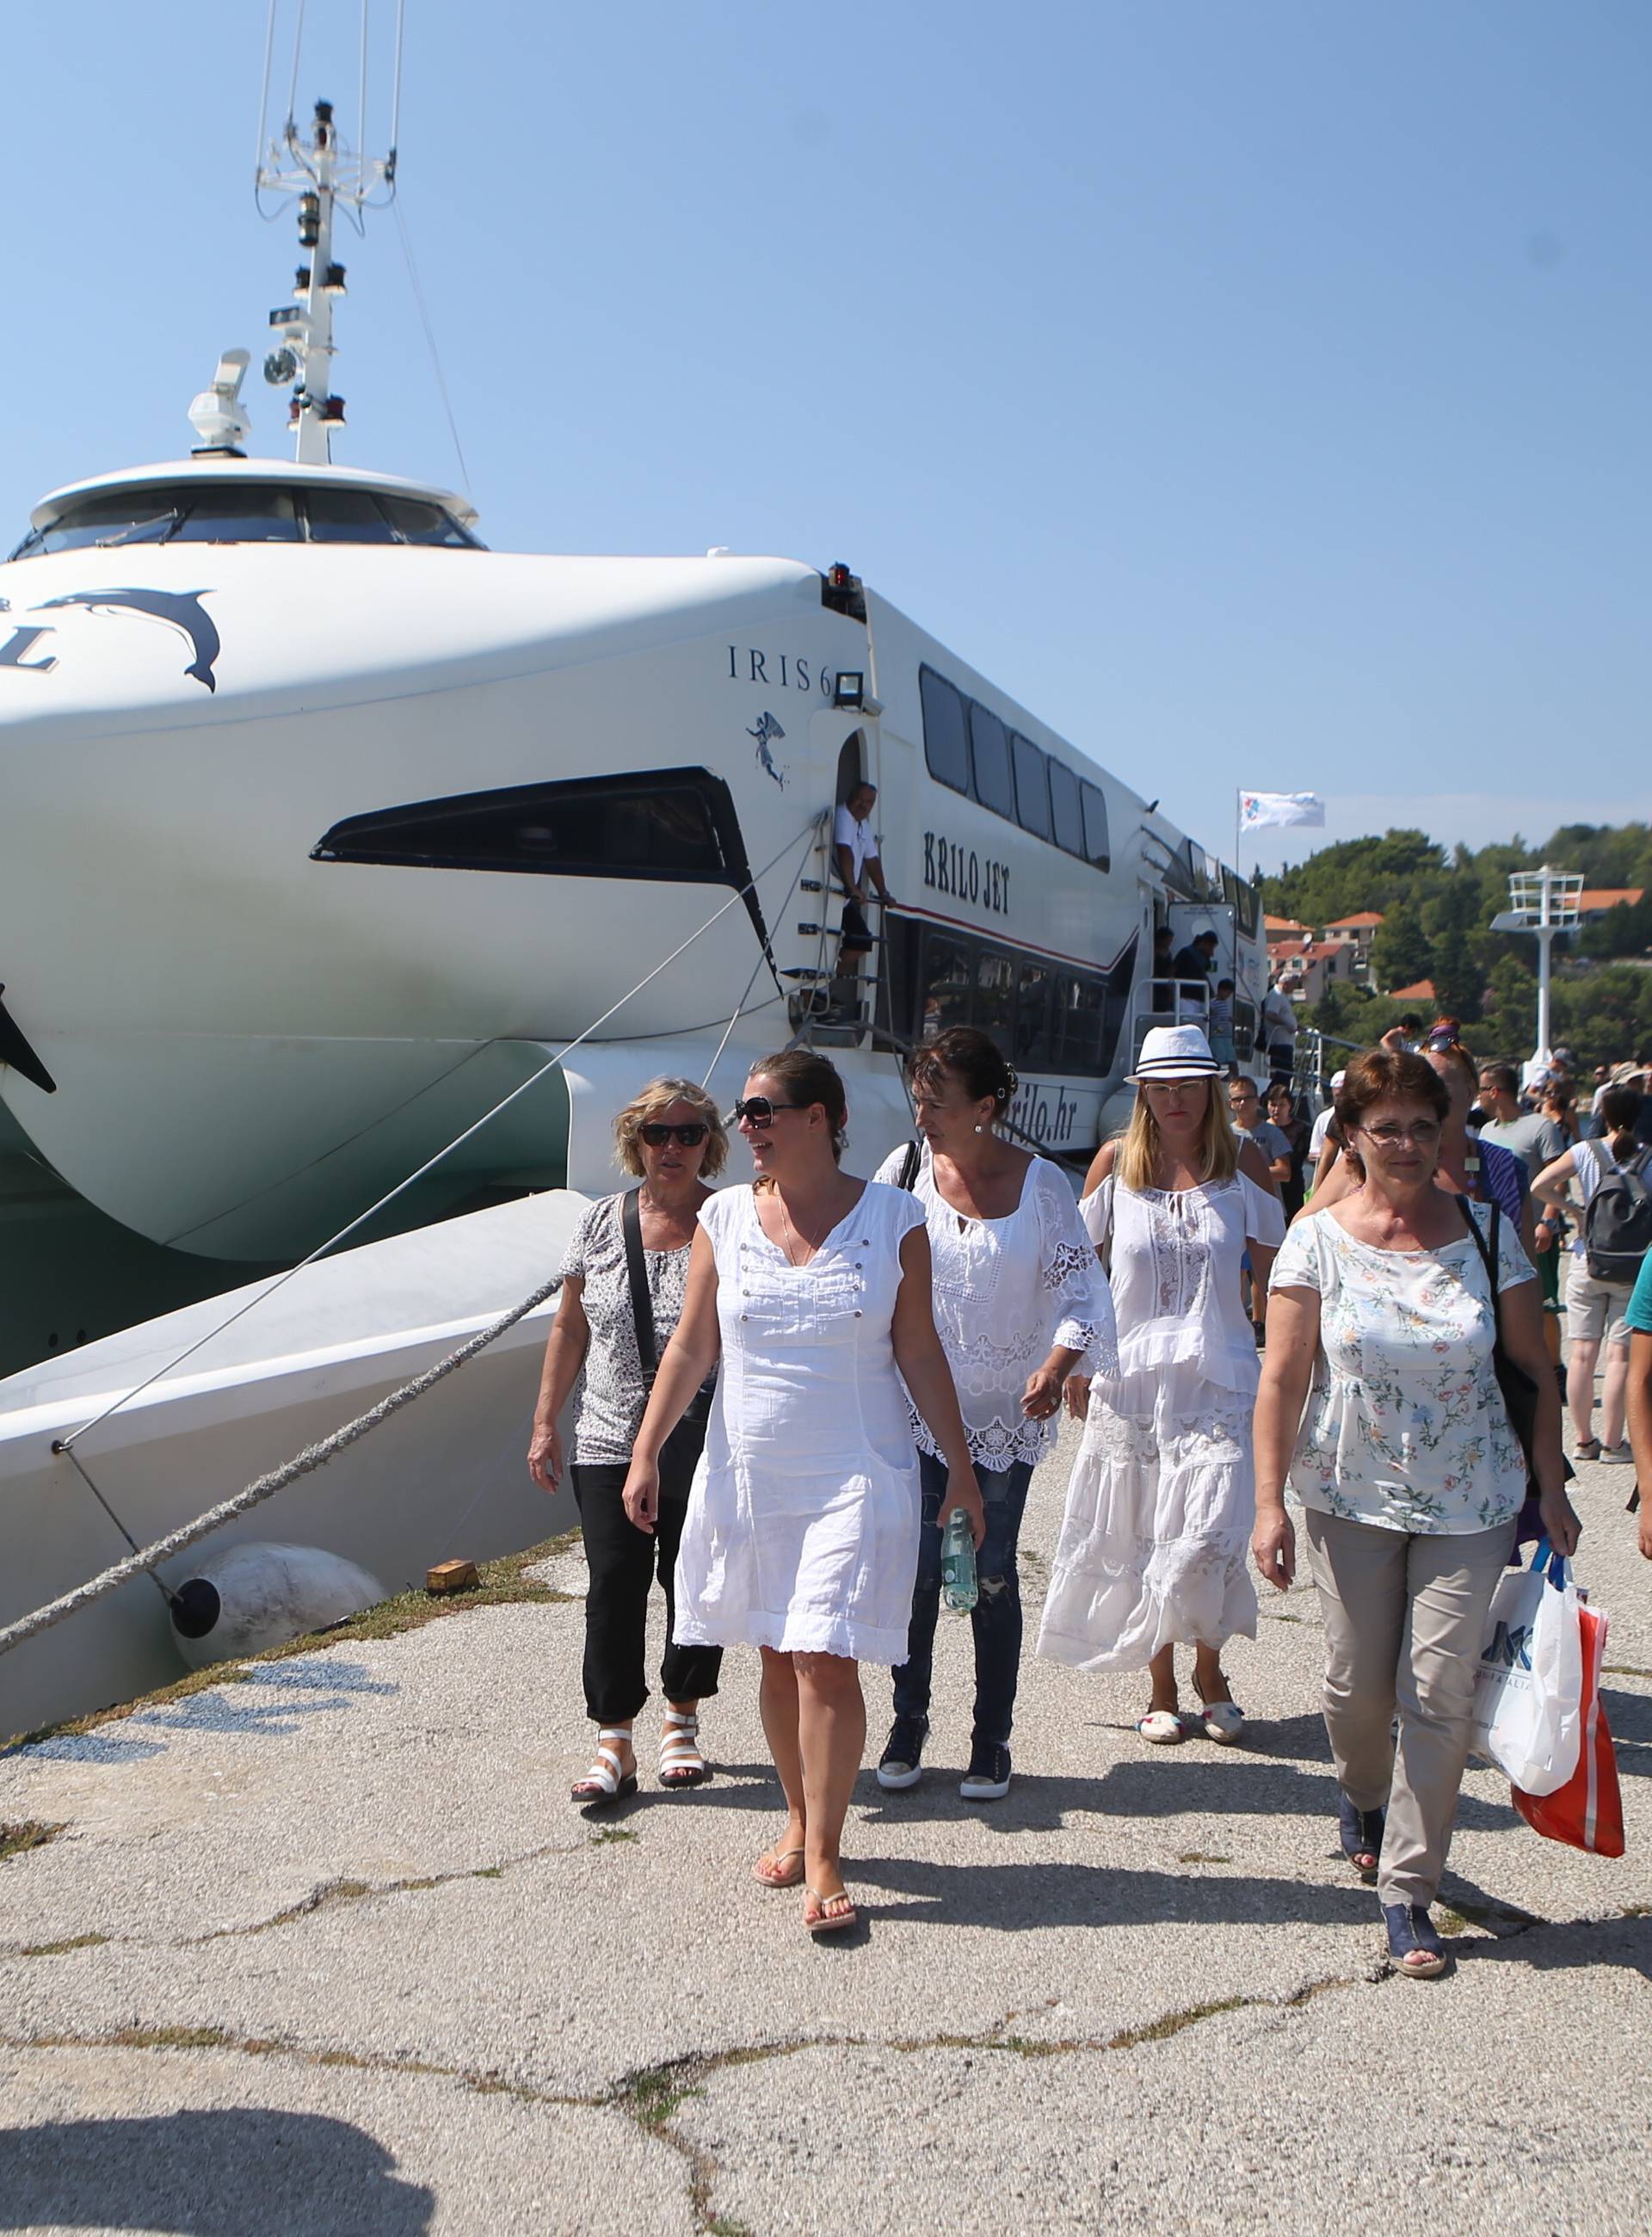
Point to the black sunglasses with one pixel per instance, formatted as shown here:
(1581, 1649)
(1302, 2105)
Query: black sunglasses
(656, 1135)
(758, 1110)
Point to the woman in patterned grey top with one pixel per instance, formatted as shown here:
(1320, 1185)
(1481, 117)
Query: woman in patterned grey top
(671, 1136)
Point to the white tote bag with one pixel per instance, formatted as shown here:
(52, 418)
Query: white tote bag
(1528, 1698)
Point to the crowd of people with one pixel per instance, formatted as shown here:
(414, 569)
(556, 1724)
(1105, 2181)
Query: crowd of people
(787, 1390)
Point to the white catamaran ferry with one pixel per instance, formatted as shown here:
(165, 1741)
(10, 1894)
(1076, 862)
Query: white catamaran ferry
(327, 829)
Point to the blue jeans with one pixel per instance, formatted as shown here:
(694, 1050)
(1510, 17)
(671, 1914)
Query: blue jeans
(996, 1616)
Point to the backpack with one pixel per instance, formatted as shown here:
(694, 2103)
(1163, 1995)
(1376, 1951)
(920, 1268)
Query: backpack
(1617, 1221)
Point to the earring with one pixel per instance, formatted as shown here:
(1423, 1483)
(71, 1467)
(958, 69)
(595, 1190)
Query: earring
(980, 1128)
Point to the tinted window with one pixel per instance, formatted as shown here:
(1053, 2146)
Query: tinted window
(1032, 786)
(417, 521)
(346, 516)
(947, 976)
(1095, 824)
(236, 514)
(945, 743)
(121, 517)
(1031, 1050)
(996, 996)
(989, 746)
(1079, 1004)
(1066, 814)
(671, 823)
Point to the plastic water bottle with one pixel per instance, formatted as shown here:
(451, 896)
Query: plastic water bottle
(958, 1587)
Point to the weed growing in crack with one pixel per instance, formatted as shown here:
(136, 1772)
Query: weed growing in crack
(1160, 2031)
(652, 2095)
(61, 1949)
(1198, 1856)
(32, 1833)
(611, 1833)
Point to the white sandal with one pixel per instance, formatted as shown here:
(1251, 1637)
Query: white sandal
(681, 1763)
(1164, 1727)
(605, 1774)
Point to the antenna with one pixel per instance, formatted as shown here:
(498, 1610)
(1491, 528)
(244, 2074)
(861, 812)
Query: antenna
(321, 173)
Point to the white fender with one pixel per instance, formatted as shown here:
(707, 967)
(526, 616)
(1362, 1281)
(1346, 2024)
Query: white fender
(253, 1597)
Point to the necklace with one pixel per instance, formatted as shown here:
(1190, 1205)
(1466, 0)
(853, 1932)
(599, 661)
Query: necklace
(795, 1234)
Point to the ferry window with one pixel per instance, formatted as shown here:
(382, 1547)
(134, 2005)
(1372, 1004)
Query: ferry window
(1079, 1001)
(660, 823)
(115, 516)
(1032, 1042)
(995, 995)
(417, 521)
(1248, 905)
(946, 977)
(990, 749)
(945, 743)
(346, 516)
(1095, 824)
(236, 514)
(1032, 786)
(1066, 814)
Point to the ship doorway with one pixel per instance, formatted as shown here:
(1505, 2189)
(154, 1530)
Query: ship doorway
(851, 765)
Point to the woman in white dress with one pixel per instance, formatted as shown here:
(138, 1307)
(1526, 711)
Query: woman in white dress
(1019, 1303)
(1160, 1508)
(802, 1533)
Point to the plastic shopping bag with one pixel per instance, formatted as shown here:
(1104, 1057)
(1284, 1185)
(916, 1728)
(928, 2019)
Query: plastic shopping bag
(1527, 1697)
(1588, 1811)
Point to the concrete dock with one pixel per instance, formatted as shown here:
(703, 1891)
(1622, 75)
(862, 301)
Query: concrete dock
(324, 1947)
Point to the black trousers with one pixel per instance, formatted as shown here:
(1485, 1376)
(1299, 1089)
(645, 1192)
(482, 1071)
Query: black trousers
(622, 1561)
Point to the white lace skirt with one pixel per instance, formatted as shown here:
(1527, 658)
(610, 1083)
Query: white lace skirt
(1155, 1540)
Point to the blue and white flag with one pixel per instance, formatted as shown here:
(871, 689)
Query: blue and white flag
(1260, 810)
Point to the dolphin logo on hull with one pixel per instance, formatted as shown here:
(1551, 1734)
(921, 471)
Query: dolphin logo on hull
(180, 610)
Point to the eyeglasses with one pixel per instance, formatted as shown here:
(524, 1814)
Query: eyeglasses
(758, 1110)
(658, 1135)
(1422, 1136)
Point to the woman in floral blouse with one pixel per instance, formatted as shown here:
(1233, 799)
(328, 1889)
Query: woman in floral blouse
(1382, 1319)
(1019, 1303)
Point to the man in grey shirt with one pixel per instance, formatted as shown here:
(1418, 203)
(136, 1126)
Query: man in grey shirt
(1537, 1141)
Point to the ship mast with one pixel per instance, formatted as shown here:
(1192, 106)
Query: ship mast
(322, 176)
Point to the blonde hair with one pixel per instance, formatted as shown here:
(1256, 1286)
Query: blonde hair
(649, 1104)
(1136, 1164)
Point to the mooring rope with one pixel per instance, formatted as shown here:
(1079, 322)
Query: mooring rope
(263, 1487)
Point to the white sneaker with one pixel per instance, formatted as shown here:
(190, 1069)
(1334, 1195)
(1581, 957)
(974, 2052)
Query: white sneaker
(1618, 1455)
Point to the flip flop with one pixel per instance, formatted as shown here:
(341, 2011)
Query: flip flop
(782, 1872)
(825, 1920)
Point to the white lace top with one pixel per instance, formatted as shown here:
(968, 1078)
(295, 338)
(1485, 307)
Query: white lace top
(1007, 1292)
(1175, 1256)
(1404, 1427)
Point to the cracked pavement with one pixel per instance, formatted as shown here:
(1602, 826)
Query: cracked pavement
(328, 1949)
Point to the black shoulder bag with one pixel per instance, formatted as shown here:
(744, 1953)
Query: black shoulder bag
(909, 1166)
(682, 1448)
(1519, 1391)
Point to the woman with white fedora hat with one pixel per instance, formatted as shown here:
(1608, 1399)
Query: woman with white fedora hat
(1154, 1544)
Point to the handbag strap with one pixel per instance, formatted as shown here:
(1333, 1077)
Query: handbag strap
(1488, 1259)
(909, 1165)
(641, 1307)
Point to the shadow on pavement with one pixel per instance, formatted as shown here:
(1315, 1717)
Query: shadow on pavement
(231, 2173)
(1014, 1898)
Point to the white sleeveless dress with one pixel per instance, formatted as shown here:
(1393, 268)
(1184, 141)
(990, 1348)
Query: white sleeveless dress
(803, 1522)
(1155, 1539)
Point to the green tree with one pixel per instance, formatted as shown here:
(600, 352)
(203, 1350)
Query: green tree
(1401, 952)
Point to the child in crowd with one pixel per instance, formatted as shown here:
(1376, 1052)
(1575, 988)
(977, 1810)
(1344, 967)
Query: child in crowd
(1221, 1025)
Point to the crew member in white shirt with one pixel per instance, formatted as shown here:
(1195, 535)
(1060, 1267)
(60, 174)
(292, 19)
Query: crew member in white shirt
(855, 852)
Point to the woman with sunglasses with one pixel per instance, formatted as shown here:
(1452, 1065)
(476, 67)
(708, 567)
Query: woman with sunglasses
(1382, 1320)
(1021, 1304)
(802, 1536)
(672, 1138)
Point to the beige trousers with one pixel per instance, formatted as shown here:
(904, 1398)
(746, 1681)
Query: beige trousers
(1404, 1622)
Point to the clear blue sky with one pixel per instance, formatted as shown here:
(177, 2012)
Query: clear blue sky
(1257, 390)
